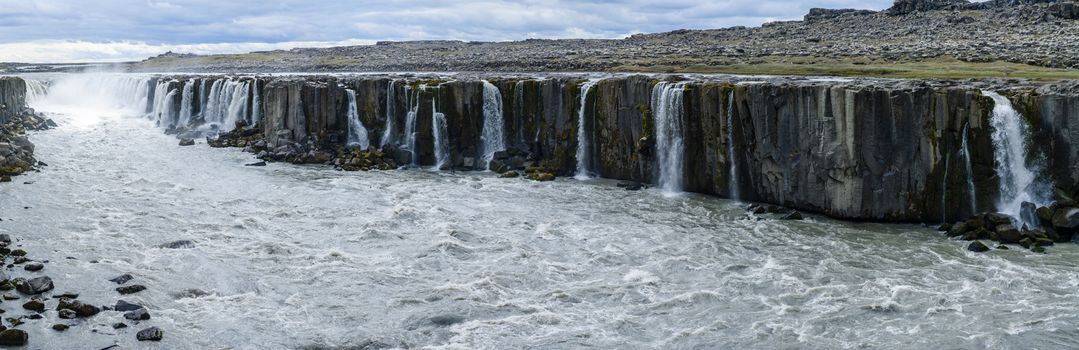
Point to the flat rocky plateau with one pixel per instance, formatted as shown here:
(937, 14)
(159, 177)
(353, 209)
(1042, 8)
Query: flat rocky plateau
(914, 38)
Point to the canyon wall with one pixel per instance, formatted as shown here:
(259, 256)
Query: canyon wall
(12, 97)
(881, 150)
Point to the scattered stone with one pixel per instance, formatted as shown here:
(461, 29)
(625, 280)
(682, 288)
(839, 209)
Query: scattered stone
(256, 164)
(19, 260)
(9, 296)
(35, 305)
(5, 238)
(34, 267)
(132, 289)
(541, 176)
(60, 327)
(18, 252)
(793, 216)
(181, 244)
(13, 337)
(119, 325)
(69, 295)
(446, 320)
(68, 314)
(187, 142)
(34, 286)
(122, 279)
(1008, 234)
(1003, 247)
(1038, 249)
(138, 315)
(123, 306)
(977, 247)
(510, 174)
(150, 334)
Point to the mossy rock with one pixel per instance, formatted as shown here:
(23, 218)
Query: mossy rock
(541, 176)
(510, 174)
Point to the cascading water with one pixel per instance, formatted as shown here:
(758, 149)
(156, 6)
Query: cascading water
(971, 190)
(732, 159)
(211, 110)
(493, 137)
(391, 114)
(584, 143)
(187, 103)
(357, 133)
(667, 110)
(35, 90)
(238, 103)
(440, 130)
(518, 116)
(1019, 179)
(204, 95)
(410, 119)
(256, 103)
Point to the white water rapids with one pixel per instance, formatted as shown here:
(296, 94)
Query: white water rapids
(304, 257)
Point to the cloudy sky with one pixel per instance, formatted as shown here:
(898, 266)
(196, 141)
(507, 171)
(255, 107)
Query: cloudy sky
(116, 30)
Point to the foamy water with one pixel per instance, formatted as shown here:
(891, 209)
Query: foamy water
(307, 257)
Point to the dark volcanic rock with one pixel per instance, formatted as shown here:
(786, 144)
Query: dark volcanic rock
(150, 334)
(121, 279)
(132, 289)
(978, 247)
(137, 315)
(903, 7)
(33, 267)
(181, 244)
(34, 286)
(13, 337)
(122, 306)
(35, 305)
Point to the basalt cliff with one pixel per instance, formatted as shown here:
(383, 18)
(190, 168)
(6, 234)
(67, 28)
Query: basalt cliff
(865, 149)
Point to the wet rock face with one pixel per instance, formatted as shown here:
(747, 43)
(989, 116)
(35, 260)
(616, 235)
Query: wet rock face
(12, 97)
(915, 151)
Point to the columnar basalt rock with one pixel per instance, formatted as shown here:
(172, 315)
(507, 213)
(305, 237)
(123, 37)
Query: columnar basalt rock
(884, 150)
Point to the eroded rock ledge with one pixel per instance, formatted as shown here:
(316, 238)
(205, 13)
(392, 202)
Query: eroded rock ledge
(864, 149)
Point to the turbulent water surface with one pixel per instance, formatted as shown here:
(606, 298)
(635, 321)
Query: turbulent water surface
(306, 257)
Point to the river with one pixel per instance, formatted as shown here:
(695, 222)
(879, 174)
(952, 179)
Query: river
(305, 257)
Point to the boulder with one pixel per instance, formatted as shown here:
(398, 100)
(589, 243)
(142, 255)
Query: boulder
(1008, 234)
(137, 315)
(124, 306)
(1066, 218)
(34, 286)
(13, 337)
(181, 244)
(35, 305)
(187, 142)
(132, 289)
(541, 176)
(121, 279)
(150, 334)
(977, 247)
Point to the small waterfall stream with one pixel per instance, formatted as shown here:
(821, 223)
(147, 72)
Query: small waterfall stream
(187, 103)
(256, 104)
(667, 109)
(584, 142)
(732, 159)
(971, 190)
(1019, 177)
(413, 97)
(357, 133)
(391, 114)
(440, 130)
(493, 136)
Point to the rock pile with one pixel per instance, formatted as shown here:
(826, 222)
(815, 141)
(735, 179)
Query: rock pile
(1056, 223)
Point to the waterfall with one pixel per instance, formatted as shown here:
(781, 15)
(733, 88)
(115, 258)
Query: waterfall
(204, 94)
(186, 103)
(493, 137)
(211, 109)
(1018, 179)
(413, 97)
(732, 159)
(357, 134)
(391, 114)
(970, 170)
(35, 90)
(440, 131)
(667, 110)
(256, 101)
(584, 143)
(237, 104)
(518, 116)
